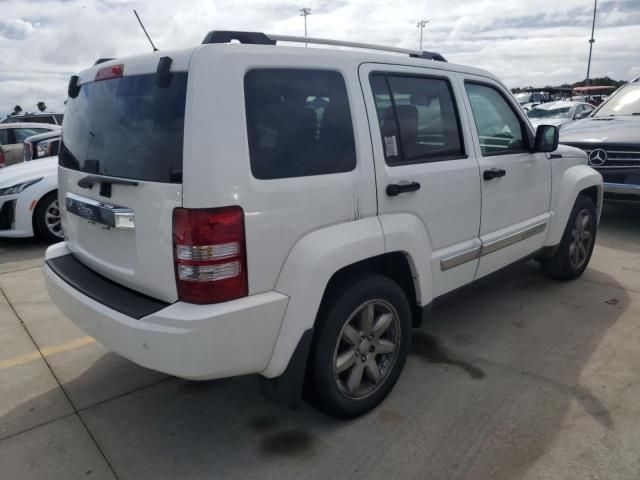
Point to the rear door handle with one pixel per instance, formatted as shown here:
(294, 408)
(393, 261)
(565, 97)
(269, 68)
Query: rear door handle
(395, 189)
(493, 173)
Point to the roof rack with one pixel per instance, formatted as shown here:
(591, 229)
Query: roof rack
(259, 38)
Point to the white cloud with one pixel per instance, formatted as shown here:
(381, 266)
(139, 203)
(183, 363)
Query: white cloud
(15, 29)
(43, 42)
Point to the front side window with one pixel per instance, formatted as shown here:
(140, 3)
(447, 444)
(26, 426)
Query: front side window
(298, 123)
(499, 128)
(417, 117)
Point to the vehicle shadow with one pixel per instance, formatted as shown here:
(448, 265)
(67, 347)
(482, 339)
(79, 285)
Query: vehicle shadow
(620, 226)
(20, 252)
(487, 387)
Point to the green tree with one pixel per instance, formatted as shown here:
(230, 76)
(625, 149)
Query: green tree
(42, 106)
(17, 110)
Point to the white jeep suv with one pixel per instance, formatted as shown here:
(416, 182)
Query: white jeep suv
(251, 208)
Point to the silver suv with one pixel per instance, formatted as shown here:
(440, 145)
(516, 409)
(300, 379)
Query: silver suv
(611, 138)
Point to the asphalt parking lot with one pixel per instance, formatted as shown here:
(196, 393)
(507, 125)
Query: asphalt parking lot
(515, 376)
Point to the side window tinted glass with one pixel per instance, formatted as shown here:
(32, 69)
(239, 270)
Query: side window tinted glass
(4, 136)
(418, 118)
(22, 133)
(298, 123)
(499, 128)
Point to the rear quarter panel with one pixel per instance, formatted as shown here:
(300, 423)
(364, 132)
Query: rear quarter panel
(217, 171)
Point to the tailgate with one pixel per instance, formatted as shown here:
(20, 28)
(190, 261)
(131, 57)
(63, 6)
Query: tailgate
(139, 252)
(120, 174)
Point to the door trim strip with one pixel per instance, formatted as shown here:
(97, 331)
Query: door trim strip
(458, 258)
(477, 251)
(520, 235)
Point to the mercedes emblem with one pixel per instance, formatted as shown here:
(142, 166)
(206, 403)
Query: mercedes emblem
(597, 157)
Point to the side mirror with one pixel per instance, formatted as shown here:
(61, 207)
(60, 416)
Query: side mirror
(547, 137)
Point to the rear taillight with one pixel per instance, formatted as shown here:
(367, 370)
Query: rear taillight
(209, 254)
(1, 158)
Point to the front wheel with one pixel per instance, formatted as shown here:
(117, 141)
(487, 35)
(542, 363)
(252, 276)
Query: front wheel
(46, 219)
(360, 346)
(574, 252)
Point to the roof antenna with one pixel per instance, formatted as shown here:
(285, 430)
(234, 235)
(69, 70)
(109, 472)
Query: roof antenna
(145, 31)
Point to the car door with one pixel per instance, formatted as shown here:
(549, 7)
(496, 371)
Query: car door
(516, 184)
(12, 149)
(423, 167)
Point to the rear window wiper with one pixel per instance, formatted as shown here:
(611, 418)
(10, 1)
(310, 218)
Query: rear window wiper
(89, 180)
(105, 183)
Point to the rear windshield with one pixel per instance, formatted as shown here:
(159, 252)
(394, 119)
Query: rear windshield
(127, 127)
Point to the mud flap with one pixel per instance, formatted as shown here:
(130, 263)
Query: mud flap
(286, 390)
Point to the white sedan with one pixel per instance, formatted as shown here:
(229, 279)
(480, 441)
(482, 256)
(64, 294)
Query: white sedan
(558, 113)
(29, 200)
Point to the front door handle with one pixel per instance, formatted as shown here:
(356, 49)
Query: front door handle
(493, 173)
(394, 189)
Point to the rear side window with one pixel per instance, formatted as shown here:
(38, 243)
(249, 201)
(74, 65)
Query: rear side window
(418, 119)
(127, 127)
(22, 134)
(4, 136)
(298, 123)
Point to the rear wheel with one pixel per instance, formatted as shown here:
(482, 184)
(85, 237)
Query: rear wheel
(46, 219)
(574, 252)
(360, 346)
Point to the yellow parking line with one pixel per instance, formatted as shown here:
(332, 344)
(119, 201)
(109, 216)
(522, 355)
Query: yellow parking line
(47, 351)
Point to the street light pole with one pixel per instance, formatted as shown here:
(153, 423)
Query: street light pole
(421, 24)
(305, 12)
(591, 42)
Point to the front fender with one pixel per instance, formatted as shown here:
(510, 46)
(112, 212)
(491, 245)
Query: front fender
(307, 271)
(574, 180)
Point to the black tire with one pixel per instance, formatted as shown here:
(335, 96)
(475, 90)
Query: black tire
(561, 265)
(327, 389)
(40, 227)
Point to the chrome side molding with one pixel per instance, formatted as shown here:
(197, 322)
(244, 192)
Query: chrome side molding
(99, 212)
(516, 237)
(477, 251)
(458, 258)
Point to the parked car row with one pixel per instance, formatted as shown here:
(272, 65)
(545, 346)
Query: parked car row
(50, 118)
(14, 135)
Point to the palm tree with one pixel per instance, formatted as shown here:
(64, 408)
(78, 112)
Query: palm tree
(42, 106)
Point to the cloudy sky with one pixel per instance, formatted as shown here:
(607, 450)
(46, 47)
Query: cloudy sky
(525, 42)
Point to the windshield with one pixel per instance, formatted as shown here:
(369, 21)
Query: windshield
(127, 127)
(561, 112)
(625, 102)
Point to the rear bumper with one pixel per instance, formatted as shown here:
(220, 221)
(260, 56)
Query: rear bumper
(190, 341)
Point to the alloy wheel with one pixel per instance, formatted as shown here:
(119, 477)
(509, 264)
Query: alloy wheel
(52, 219)
(581, 238)
(367, 349)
